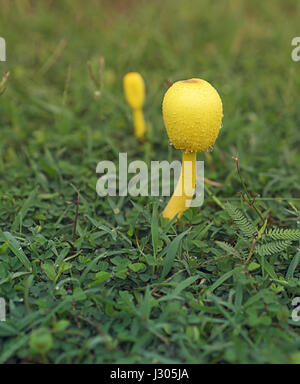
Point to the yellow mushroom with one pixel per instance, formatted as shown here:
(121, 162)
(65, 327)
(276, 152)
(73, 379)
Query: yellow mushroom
(192, 113)
(134, 89)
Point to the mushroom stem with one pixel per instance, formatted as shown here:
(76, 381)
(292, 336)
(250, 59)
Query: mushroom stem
(139, 124)
(183, 194)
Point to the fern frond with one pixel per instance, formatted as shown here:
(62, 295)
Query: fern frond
(271, 248)
(283, 234)
(229, 249)
(246, 227)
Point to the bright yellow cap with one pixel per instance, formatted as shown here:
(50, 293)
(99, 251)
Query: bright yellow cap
(192, 112)
(134, 89)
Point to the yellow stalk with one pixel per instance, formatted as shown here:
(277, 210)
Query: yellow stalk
(183, 194)
(139, 124)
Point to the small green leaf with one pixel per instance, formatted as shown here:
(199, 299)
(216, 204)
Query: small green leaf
(102, 276)
(253, 266)
(79, 294)
(41, 341)
(61, 325)
(49, 271)
(136, 267)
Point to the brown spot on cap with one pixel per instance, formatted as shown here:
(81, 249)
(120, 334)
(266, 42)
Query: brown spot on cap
(191, 81)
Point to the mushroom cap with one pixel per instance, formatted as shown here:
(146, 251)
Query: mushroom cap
(134, 89)
(192, 113)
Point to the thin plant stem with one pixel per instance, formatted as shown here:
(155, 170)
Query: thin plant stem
(249, 198)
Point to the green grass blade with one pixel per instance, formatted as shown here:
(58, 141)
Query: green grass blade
(171, 254)
(15, 247)
(23, 211)
(292, 267)
(219, 282)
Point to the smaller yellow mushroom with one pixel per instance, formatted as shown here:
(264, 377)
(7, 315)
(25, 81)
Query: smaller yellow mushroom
(192, 113)
(134, 89)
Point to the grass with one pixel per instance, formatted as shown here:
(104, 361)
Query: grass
(216, 287)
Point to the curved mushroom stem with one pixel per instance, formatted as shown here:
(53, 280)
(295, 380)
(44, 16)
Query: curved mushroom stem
(139, 124)
(183, 194)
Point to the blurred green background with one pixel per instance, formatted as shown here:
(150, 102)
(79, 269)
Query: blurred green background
(242, 48)
(63, 111)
